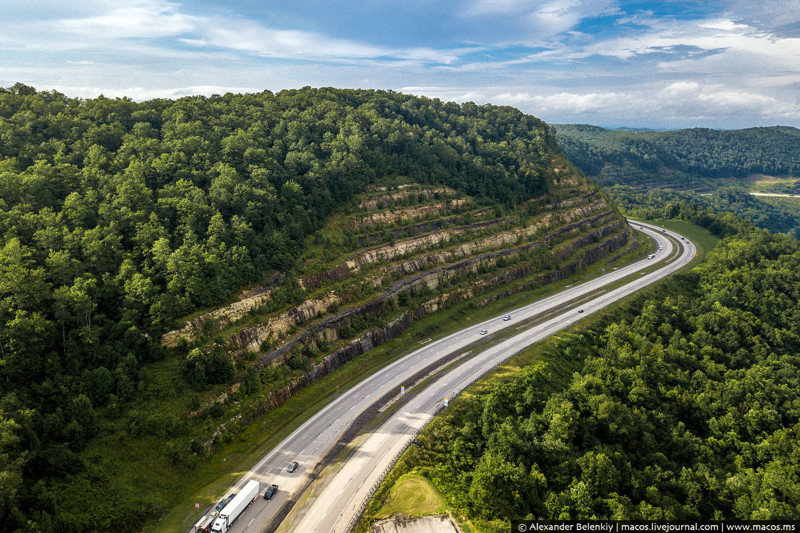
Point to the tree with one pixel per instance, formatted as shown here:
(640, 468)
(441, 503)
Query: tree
(11, 464)
(83, 414)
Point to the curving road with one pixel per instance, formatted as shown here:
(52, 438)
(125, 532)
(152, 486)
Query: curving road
(340, 500)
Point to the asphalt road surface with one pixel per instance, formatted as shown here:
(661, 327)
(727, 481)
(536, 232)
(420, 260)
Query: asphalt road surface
(344, 492)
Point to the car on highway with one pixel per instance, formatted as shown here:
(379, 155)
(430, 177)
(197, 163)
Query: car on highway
(506, 318)
(270, 492)
(484, 331)
(580, 310)
(292, 466)
(223, 502)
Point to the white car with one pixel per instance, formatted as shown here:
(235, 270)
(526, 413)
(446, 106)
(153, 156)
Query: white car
(484, 331)
(506, 318)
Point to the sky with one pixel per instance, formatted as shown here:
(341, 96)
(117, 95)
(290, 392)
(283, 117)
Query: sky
(615, 63)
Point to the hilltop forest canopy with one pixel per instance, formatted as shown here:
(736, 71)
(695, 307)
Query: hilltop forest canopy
(689, 157)
(117, 217)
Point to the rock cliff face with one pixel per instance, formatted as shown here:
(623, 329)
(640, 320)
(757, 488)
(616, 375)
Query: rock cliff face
(251, 338)
(402, 252)
(384, 201)
(410, 213)
(376, 337)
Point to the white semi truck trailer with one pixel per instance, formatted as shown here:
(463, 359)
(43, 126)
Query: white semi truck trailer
(238, 504)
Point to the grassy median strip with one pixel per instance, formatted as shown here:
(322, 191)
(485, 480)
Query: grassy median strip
(701, 237)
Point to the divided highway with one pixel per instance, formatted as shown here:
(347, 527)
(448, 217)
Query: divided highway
(340, 501)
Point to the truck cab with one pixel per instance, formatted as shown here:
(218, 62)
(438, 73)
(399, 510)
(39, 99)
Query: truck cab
(220, 525)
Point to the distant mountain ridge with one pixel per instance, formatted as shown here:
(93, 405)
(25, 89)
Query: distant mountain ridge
(683, 159)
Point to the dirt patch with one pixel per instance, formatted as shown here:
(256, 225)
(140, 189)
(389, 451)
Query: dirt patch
(425, 524)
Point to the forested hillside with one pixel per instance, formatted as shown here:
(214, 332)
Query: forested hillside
(765, 212)
(682, 159)
(683, 406)
(346, 215)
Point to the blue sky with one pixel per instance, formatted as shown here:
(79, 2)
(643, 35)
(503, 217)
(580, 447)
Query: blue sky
(669, 64)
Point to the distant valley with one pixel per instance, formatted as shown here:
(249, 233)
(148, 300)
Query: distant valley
(752, 173)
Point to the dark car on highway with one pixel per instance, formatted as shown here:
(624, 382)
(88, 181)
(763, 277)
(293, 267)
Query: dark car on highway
(224, 501)
(292, 467)
(270, 492)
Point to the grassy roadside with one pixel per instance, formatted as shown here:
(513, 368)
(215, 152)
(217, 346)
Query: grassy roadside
(701, 237)
(385, 503)
(223, 467)
(413, 496)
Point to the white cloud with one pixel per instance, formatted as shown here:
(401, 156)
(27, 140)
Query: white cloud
(131, 28)
(137, 19)
(709, 35)
(677, 104)
(255, 38)
(732, 68)
(681, 87)
(539, 20)
(723, 24)
(557, 16)
(566, 102)
(768, 15)
(141, 93)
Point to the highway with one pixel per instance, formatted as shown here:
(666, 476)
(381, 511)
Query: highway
(340, 502)
(341, 498)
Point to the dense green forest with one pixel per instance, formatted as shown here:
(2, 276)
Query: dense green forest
(687, 159)
(119, 217)
(683, 405)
